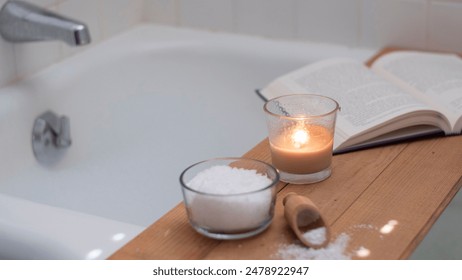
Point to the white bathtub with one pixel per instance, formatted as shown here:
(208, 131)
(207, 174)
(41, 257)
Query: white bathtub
(142, 106)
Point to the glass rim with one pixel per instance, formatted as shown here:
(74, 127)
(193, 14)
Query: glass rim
(336, 107)
(271, 167)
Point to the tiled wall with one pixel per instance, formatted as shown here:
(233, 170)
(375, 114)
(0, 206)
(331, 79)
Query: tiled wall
(427, 24)
(104, 18)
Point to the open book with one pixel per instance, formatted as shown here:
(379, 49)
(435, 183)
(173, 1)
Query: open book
(405, 94)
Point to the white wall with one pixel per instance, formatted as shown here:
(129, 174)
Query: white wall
(104, 18)
(423, 24)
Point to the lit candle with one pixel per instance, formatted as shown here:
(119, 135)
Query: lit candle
(302, 149)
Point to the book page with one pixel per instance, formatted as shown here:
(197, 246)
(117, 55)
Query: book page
(366, 100)
(438, 76)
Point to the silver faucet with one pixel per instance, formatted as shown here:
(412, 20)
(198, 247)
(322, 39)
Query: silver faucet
(24, 22)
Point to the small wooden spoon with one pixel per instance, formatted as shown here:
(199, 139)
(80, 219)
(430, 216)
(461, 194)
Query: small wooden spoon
(306, 221)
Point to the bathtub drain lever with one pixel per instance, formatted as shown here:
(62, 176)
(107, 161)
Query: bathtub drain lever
(50, 137)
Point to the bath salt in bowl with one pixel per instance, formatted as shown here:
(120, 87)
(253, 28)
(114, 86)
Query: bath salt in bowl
(229, 198)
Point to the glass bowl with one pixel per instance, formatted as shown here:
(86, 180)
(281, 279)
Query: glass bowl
(229, 198)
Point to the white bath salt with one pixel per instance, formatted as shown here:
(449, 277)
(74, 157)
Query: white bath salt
(389, 227)
(363, 252)
(315, 236)
(357, 229)
(223, 179)
(334, 251)
(364, 226)
(236, 211)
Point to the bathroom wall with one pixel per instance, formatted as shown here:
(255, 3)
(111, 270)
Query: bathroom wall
(104, 18)
(424, 24)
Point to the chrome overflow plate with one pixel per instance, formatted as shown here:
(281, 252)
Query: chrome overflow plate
(50, 137)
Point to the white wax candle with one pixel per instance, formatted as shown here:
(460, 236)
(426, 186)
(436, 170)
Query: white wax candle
(304, 149)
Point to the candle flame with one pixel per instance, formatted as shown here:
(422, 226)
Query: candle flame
(300, 137)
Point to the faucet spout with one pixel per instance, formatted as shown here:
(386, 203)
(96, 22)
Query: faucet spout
(23, 22)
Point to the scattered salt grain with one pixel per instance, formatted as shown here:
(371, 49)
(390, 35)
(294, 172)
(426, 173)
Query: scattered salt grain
(315, 236)
(232, 201)
(363, 226)
(363, 252)
(334, 251)
(389, 227)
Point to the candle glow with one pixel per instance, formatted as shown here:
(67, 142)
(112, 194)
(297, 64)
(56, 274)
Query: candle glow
(302, 149)
(300, 137)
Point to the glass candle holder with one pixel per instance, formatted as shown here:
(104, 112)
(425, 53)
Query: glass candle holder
(229, 198)
(301, 134)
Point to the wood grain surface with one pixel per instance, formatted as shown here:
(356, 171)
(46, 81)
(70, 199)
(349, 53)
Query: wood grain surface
(409, 184)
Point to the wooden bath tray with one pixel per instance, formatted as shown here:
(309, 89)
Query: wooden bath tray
(409, 184)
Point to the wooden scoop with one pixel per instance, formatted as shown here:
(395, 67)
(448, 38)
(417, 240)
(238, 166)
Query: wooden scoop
(306, 221)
